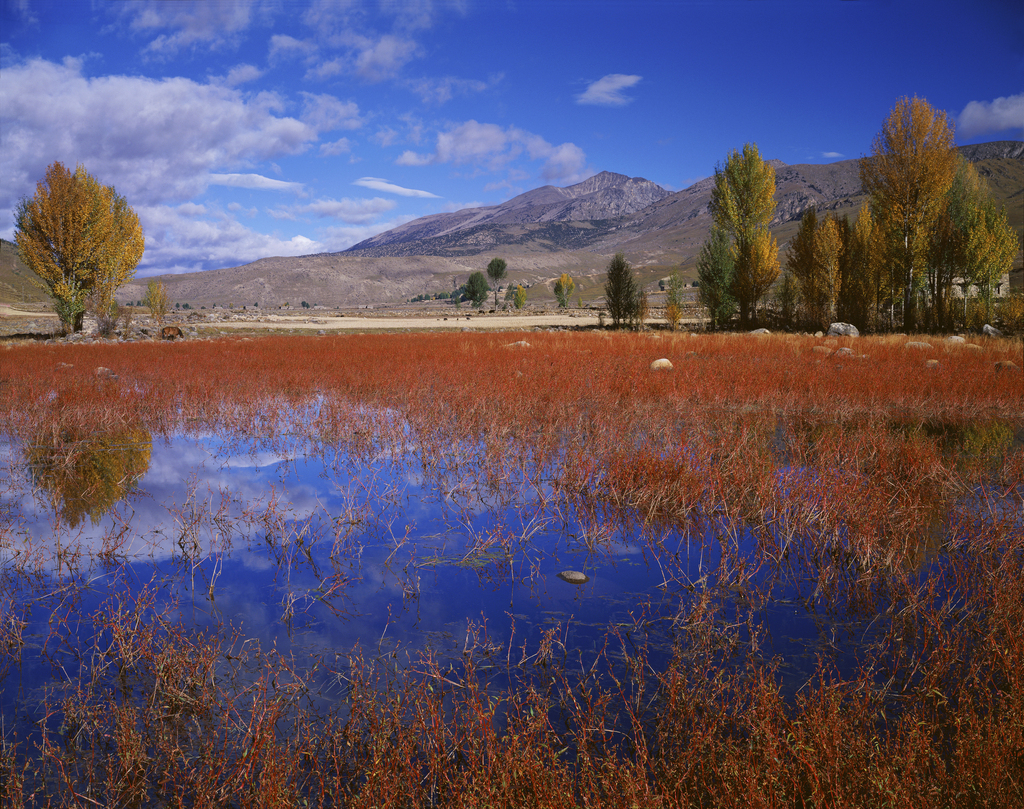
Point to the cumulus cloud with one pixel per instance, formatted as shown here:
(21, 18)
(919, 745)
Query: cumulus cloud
(254, 181)
(607, 91)
(186, 24)
(382, 59)
(175, 235)
(443, 90)
(156, 140)
(335, 148)
(325, 113)
(283, 46)
(377, 184)
(242, 74)
(493, 148)
(983, 117)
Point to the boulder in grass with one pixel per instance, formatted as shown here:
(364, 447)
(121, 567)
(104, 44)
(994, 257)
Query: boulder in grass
(574, 577)
(518, 344)
(1006, 365)
(918, 346)
(843, 330)
(760, 331)
(821, 349)
(105, 373)
(171, 333)
(663, 364)
(991, 331)
(931, 364)
(956, 339)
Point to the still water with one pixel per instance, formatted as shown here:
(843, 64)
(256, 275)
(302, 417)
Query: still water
(305, 548)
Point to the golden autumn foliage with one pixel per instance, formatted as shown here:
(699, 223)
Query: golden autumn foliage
(743, 204)
(81, 238)
(908, 174)
(86, 473)
(157, 300)
(564, 287)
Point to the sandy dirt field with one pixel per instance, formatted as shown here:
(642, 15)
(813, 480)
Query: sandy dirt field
(11, 316)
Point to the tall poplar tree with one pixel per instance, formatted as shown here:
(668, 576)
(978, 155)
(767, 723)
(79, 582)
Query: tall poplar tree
(715, 269)
(907, 175)
(743, 204)
(80, 238)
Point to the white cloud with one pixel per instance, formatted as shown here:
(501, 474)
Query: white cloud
(384, 58)
(831, 155)
(493, 148)
(377, 184)
(188, 23)
(283, 46)
(254, 181)
(440, 91)
(176, 235)
(607, 91)
(157, 141)
(352, 211)
(242, 74)
(335, 148)
(410, 158)
(1001, 115)
(325, 113)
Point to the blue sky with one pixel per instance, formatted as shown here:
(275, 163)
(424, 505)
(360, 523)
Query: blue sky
(239, 130)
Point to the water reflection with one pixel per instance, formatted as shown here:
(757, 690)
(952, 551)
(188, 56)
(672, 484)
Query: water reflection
(85, 474)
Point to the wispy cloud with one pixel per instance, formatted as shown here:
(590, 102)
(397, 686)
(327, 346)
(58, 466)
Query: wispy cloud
(377, 184)
(254, 181)
(1001, 115)
(608, 91)
(832, 155)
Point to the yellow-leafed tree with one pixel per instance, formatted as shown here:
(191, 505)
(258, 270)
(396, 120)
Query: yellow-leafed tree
(157, 300)
(81, 238)
(911, 168)
(564, 287)
(743, 204)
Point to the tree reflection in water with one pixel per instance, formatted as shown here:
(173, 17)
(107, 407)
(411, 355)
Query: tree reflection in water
(86, 474)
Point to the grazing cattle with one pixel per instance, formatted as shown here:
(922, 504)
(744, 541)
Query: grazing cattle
(171, 333)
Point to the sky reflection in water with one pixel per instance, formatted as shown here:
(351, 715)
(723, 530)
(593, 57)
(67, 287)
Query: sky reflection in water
(310, 553)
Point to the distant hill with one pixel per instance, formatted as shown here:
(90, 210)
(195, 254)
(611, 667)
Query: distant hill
(16, 279)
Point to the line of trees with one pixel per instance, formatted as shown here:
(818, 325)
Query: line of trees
(928, 227)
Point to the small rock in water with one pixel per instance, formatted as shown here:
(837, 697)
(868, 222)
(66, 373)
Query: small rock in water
(574, 577)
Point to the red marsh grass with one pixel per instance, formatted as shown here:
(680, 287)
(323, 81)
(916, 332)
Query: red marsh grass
(859, 469)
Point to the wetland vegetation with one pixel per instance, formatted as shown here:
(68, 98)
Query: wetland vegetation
(331, 571)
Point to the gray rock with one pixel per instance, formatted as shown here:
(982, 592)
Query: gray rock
(991, 331)
(956, 338)
(760, 331)
(574, 577)
(843, 330)
(919, 346)
(662, 364)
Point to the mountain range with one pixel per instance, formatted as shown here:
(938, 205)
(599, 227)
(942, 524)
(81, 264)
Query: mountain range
(545, 232)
